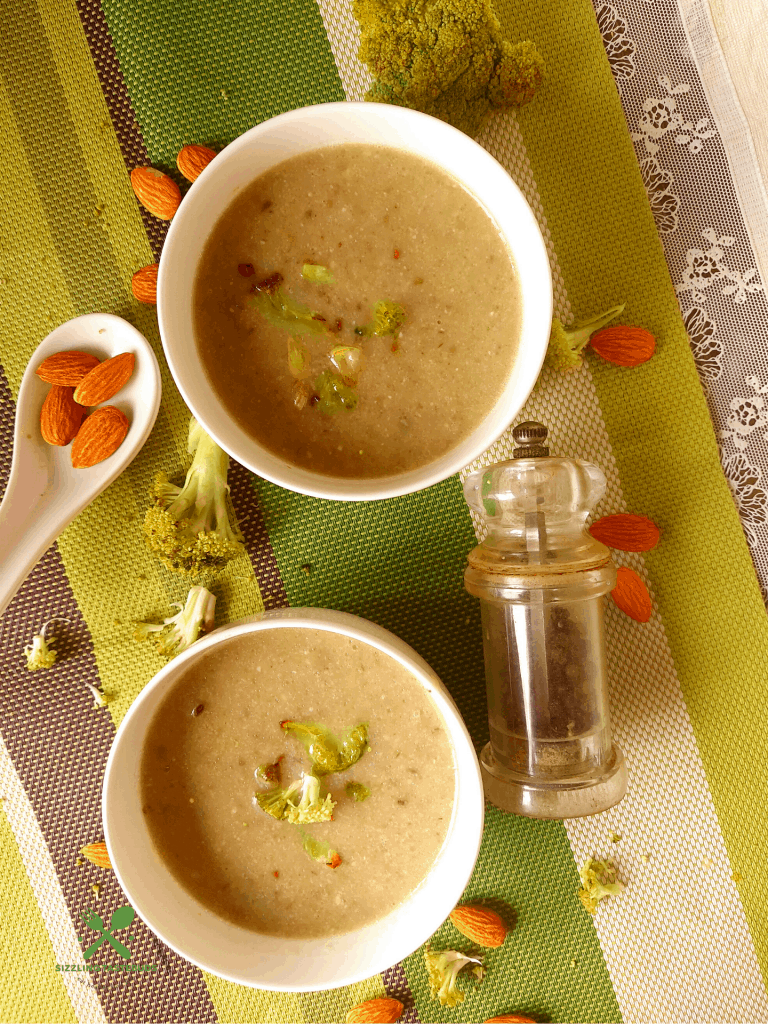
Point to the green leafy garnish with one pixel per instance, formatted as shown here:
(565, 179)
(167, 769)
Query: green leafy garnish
(320, 851)
(334, 395)
(317, 274)
(388, 318)
(325, 751)
(281, 311)
(357, 791)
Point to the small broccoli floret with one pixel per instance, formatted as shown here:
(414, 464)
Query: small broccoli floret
(284, 312)
(443, 968)
(598, 880)
(176, 634)
(325, 751)
(311, 807)
(321, 852)
(448, 58)
(357, 791)
(41, 653)
(189, 529)
(269, 773)
(100, 699)
(334, 395)
(566, 344)
(388, 318)
(275, 801)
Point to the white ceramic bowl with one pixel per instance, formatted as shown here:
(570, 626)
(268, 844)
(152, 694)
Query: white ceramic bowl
(245, 957)
(310, 128)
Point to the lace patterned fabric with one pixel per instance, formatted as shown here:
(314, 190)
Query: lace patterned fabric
(695, 203)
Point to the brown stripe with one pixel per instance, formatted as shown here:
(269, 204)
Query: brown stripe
(119, 104)
(246, 504)
(396, 985)
(59, 742)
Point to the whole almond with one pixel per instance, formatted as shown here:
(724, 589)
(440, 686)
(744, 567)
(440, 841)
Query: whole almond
(192, 161)
(510, 1018)
(61, 416)
(100, 436)
(97, 854)
(624, 346)
(144, 284)
(376, 1011)
(631, 595)
(105, 380)
(479, 924)
(66, 368)
(156, 191)
(626, 532)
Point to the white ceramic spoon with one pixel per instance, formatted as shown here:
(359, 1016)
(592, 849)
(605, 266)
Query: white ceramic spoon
(44, 492)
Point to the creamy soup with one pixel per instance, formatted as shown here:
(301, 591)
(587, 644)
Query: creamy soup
(222, 721)
(334, 234)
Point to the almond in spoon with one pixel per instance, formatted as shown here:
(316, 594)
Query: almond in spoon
(105, 380)
(66, 368)
(61, 416)
(99, 437)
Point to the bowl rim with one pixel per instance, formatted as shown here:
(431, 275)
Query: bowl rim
(470, 785)
(525, 371)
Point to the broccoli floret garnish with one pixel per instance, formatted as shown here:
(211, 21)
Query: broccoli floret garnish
(280, 310)
(188, 528)
(300, 803)
(325, 751)
(334, 395)
(566, 344)
(317, 274)
(357, 791)
(176, 634)
(448, 58)
(269, 773)
(388, 318)
(321, 852)
(598, 880)
(443, 968)
(40, 653)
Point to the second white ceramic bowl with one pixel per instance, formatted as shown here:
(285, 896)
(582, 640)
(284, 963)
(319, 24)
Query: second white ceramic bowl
(309, 128)
(266, 961)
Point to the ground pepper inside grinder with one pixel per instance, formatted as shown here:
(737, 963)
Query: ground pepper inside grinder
(542, 580)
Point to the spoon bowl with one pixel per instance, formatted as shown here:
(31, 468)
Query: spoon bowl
(45, 492)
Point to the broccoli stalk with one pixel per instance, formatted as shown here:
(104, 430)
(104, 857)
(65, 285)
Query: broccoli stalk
(448, 58)
(188, 528)
(443, 968)
(598, 880)
(300, 803)
(325, 751)
(388, 318)
(177, 633)
(567, 343)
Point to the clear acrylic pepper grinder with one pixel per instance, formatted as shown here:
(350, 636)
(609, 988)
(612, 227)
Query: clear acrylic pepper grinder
(542, 580)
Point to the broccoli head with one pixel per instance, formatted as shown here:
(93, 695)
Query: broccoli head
(188, 528)
(598, 880)
(443, 968)
(40, 653)
(566, 344)
(176, 634)
(448, 58)
(388, 318)
(300, 803)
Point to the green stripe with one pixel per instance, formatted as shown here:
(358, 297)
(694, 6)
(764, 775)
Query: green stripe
(660, 429)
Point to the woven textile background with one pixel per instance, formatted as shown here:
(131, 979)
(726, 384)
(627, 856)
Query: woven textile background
(88, 91)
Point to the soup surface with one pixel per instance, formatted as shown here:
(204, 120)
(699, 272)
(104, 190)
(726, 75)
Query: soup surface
(382, 226)
(198, 783)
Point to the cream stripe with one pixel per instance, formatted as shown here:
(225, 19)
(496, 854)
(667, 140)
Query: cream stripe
(676, 944)
(45, 885)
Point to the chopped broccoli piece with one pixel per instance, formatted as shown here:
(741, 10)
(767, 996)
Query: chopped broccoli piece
(388, 318)
(357, 791)
(275, 801)
(334, 394)
(320, 851)
(311, 807)
(299, 359)
(100, 699)
(443, 968)
(188, 528)
(40, 653)
(280, 310)
(598, 880)
(567, 343)
(325, 751)
(348, 360)
(317, 274)
(176, 634)
(448, 58)
(269, 772)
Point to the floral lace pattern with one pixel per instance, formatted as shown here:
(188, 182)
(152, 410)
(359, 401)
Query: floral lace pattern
(685, 170)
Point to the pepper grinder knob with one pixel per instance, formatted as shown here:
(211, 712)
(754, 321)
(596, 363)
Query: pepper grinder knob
(529, 438)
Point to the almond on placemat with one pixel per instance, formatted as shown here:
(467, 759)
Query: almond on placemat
(192, 161)
(631, 595)
(66, 368)
(97, 854)
(626, 532)
(61, 416)
(510, 1018)
(376, 1011)
(100, 436)
(480, 924)
(105, 380)
(624, 346)
(156, 191)
(144, 284)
